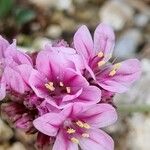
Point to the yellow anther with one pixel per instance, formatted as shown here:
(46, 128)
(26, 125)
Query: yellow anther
(74, 140)
(101, 63)
(50, 86)
(61, 84)
(86, 125)
(85, 135)
(80, 124)
(117, 66)
(71, 131)
(68, 89)
(112, 73)
(100, 54)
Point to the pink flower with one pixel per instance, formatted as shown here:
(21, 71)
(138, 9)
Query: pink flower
(96, 54)
(58, 82)
(78, 124)
(11, 63)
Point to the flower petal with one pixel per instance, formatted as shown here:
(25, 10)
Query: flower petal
(90, 95)
(98, 140)
(52, 63)
(128, 73)
(62, 143)
(74, 79)
(104, 39)
(3, 46)
(16, 83)
(2, 90)
(100, 115)
(18, 56)
(72, 97)
(37, 82)
(49, 123)
(83, 43)
(25, 71)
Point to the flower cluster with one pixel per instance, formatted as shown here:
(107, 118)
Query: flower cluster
(64, 93)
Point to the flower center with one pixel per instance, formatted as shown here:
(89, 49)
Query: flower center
(76, 129)
(50, 86)
(58, 88)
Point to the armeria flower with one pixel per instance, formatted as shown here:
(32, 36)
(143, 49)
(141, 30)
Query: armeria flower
(96, 54)
(57, 81)
(11, 63)
(79, 125)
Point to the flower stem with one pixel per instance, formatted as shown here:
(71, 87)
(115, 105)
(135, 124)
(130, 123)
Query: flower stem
(134, 108)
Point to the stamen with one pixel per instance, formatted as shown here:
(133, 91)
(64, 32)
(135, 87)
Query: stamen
(61, 84)
(101, 63)
(112, 73)
(68, 89)
(80, 124)
(50, 86)
(71, 131)
(85, 135)
(75, 140)
(100, 54)
(86, 125)
(115, 68)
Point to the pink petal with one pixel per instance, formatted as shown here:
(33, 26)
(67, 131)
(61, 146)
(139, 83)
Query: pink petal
(104, 39)
(83, 42)
(2, 90)
(16, 82)
(90, 95)
(100, 115)
(37, 82)
(25, 71)
(98, 140)
(18, 56)
(49, 123)
(42, 63)
(74, 79)
(128, 73)
(72, 96)
(52, 63)
(62, 143)
(3, 46)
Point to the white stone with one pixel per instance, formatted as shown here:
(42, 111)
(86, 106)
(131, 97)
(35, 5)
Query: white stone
(139, 135)
(17, 146)
(40, 42)
(141, 20)
(126, 46)
(54, 31)
(116, 13)
(5, 132)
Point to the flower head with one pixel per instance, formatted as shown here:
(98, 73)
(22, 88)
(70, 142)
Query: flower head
(78, 124)
(57, 80)
(11, 62)
(96, 54)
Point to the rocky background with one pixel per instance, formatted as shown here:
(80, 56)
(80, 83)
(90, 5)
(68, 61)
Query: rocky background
(35, 22)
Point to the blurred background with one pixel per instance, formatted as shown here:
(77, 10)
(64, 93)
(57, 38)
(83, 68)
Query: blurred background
(35, 22)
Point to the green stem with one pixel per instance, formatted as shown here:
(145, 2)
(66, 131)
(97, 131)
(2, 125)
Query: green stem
(134, 108)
